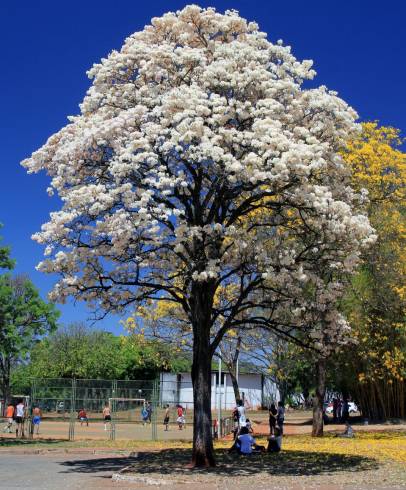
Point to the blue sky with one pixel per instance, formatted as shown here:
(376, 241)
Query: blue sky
(47, 46)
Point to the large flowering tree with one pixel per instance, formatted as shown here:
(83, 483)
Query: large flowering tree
(195, 144)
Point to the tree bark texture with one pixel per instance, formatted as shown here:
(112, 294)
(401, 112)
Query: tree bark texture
(203, 453)
(318, 401)
(234, 383)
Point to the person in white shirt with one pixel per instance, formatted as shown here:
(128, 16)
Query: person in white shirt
(241, 413)
(20, 413)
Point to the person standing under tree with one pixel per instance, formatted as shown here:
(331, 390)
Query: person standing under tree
(280, 416)
(107, 415)
(272, 418)
(241, 413)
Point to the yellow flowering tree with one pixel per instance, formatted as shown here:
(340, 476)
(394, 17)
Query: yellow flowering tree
(376, 301)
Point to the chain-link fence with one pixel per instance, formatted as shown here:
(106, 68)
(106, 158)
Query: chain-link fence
(61, 408)
(93, 408)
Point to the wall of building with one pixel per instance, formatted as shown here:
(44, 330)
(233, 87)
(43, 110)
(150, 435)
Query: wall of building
(177, 388)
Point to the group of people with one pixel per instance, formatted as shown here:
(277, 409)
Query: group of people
(16, 414)
(244, 441)
(180, 420)
(146, 414)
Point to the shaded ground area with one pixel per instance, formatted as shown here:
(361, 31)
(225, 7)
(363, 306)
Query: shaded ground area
(172, 462)
(288, 469)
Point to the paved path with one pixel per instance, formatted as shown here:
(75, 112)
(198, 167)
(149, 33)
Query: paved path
(45, 472)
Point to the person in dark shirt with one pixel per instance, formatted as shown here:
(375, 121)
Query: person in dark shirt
(272, 419)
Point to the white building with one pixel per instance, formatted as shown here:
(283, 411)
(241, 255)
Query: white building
(255, 390)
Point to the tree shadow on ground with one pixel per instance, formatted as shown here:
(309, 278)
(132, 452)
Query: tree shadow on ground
(95, 465)
(286, 463)
(9, 442)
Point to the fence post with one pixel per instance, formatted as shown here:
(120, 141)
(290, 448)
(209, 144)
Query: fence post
(29, 409)
(113, 410)
(154, 402)
(72, 411)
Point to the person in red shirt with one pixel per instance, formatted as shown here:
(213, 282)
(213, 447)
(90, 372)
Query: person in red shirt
(82, 416)
(181, 418)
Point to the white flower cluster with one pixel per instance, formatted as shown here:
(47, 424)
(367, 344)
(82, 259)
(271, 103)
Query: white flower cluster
(199, 158)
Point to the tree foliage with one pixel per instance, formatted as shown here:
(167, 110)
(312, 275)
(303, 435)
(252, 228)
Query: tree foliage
(77, 352)
(376, 302)
(24, 319)
(195, 146)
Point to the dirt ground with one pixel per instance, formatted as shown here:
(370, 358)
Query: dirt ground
(297, 422)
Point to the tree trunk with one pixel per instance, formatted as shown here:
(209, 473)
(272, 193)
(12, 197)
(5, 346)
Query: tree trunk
(203, 453)
(5, 380)
(6, 393)
(235, 383)
(318, 401)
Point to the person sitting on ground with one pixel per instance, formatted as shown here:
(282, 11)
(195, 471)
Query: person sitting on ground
(349, 431)
(82, 416)
(248, 425)
(275, 441)
(245, 443)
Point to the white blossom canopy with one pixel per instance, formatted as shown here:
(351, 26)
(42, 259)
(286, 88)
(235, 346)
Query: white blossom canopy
(195, 149)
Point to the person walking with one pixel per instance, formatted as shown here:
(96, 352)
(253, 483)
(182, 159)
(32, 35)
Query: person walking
(272, 418)
(36, 419)
(149, 412)
(181, 418)
(144, 415)
(10, 418)
(20, 416)
(106, 415)
(166, 417)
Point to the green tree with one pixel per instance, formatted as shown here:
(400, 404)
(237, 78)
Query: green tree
(24, 319)
(74, 351)
(5, 261)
